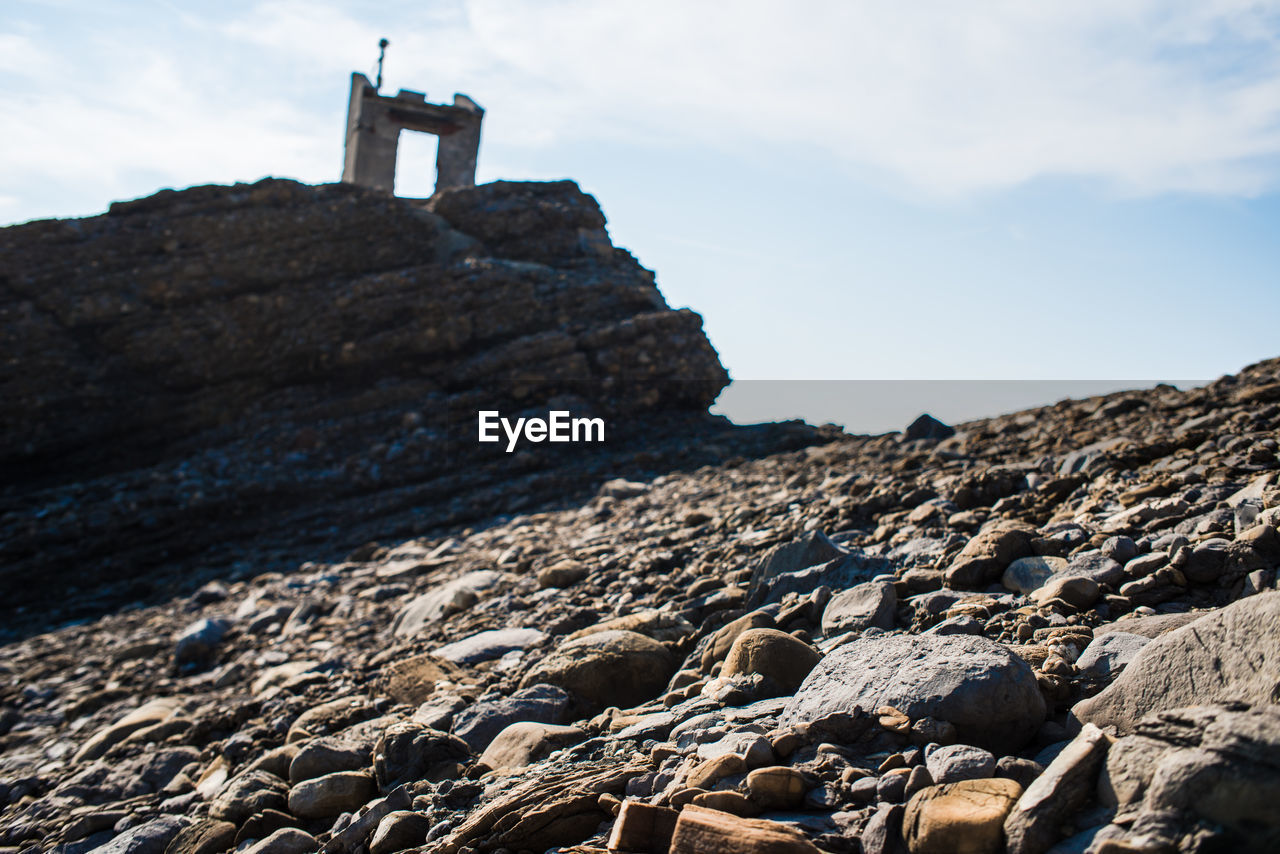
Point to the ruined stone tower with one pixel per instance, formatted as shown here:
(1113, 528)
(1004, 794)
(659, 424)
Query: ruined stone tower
(374, 123)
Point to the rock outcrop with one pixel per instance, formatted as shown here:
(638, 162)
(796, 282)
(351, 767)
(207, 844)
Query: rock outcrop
(234, 379)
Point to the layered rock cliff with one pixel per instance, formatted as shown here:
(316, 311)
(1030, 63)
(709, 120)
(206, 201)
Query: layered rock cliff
(237, 378)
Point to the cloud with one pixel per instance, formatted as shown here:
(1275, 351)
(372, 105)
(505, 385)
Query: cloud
(1146, 96)
(951, 98)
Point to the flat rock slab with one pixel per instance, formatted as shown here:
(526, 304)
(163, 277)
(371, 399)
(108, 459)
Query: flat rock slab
(988, 693)
(1227, 655)
(486, 646)
(700, 830)
(443, 600)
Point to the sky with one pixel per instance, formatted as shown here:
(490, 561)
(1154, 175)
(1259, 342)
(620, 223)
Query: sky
(1060, 196)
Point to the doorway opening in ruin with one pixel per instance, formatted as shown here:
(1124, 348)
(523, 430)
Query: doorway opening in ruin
(416, 164)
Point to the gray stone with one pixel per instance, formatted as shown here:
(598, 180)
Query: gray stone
(286, 840)
(197, 643)
(325, 755)
(153, 837)
(1096, 566)
(247, 793)
(443, 600)
(1149, 627)
(860, 607)
(491, 714)
(958, 762)
(524, 743)
(1034, 824)
(838, 574)
(1208, 764)
(1107, 655)
(811, 549)
(339, 792)
(1120, 549)
(489, 645)
(1144, 565)
(408, 751)
(961, 624)
(399, 830)
(1220, 657)
(988, 693)
(1206, 562)
(1027, 574)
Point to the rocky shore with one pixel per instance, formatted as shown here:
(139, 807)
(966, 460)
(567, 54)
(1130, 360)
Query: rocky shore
(1051, 631)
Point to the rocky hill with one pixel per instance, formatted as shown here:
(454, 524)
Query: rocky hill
(1056, 630)
(226, 380)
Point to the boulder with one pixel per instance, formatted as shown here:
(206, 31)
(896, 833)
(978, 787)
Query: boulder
(1108, 655)
(524, 743)
(612, 668)
(409, 751)
(398, 830)
(1220, 657)
(1029, 573)
(339, 792)
(985, 557)
(197, 643)
(1212, 765)
(149, 714)
(325, 755)
(203, 836)
(809, 550)
(864, 606)
(979, 686)
(957, 762)
(286, 840)
(959, 818)
(151, 837)
(1034, 824)
(781, 659)
(707, 831)
(431, 607)
(486, 646)
(928, 427)
(247, 793)
(481, 722)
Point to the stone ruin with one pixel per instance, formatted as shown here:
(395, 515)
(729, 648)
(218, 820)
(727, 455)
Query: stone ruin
(374, 123)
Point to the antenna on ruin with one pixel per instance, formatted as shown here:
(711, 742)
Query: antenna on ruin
(382, 53)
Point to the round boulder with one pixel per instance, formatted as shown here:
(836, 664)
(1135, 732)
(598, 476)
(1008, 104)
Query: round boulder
(613, 668)
(783, 661)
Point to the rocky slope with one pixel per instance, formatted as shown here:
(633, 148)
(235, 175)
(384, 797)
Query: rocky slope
(1051, 631)
(221, 381)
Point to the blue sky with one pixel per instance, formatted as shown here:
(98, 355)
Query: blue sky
(845, 190)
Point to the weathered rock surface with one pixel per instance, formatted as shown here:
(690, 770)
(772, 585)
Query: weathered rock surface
(262, 374)
(986, 692)
(1220, 657)
(613, 668)
(959, 818)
